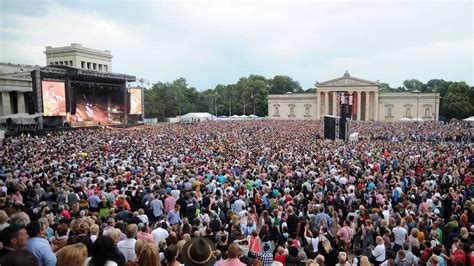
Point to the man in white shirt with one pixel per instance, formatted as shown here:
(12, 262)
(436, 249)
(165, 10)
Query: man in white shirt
(159, 234)
(401, 235)
(143, 217)
(127, 246)
(238, 205)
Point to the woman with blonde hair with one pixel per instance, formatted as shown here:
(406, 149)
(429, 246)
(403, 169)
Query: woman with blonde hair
(115, 234)
(364, 261)
(330, 254)
(413, 238)
(139, 245)
(72, 255)
(94, 231)
(378, 253)
(3, 220)
(149, 256)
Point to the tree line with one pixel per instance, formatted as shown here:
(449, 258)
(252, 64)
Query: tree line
(249, 96)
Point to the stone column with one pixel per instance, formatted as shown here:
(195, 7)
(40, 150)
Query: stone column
(376, 106)
(326, 103)
(318, 106)
(367, 106)
(6, 107)
(20, 98)
(334, 103)
(359, 102)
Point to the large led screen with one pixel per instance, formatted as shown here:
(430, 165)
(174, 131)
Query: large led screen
(54, 98)
(135, 101)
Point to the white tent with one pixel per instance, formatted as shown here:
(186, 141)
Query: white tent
(196, 117)
(253, 116)
(404, 119)
(419, 119)
(469, 119)
(21, 118)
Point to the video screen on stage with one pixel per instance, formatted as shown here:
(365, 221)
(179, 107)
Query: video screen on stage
(135, 101)
(96, 105)
(54, 98)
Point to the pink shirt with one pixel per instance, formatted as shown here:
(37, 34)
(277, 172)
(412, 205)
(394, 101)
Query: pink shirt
(146, 236)
(231, 262)
(170, 201)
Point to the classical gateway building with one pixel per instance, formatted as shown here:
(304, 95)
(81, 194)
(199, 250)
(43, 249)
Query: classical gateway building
(367, 103)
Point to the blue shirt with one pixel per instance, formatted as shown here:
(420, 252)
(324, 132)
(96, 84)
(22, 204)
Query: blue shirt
(94, 201)
(173, 217)
(42, 250)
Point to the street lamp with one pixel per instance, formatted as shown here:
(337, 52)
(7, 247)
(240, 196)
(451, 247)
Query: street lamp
(253, 97)
(417, 102)
(433, 90)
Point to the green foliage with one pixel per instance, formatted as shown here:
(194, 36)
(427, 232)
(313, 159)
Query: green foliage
(249, 96)
(283, 84)
(458, 101)
(413, 84)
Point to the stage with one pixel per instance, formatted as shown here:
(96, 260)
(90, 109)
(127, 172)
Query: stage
(73, 97)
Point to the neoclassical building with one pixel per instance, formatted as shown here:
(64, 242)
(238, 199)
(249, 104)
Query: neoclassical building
(367, 103)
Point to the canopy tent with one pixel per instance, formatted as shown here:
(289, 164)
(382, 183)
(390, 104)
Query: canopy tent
(405, 119)
(419, 119)
(21, 118)
(196, 117)
(469, 119)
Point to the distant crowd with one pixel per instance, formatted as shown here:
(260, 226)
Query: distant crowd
(221, 193)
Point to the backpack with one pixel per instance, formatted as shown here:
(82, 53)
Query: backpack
(425, 254)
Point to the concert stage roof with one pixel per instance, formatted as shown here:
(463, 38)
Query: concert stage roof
(84, 74)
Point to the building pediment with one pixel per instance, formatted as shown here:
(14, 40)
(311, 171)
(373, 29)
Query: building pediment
(16, 76)
(347, 81)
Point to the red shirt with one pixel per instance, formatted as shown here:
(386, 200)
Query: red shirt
(280, 258)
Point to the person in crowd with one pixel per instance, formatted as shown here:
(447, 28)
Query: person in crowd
(240, 186)
(13, 238)
(20, 257)
(39, 246)
(105, 253)
(127, 246)
(75, 254)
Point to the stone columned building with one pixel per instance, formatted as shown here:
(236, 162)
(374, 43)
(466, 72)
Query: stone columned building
(367, 103)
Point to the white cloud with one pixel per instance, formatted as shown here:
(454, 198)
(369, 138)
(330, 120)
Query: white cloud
(212, 42)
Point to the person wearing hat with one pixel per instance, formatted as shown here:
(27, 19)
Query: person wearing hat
(201, 251)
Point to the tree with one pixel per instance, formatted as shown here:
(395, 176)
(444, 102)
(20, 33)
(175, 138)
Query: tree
(385, 87)
(413, 84)
(283, 84)
(458, 102)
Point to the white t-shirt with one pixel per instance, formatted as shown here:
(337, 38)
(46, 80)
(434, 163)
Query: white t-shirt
(127, 247)
(159, 234)
(379, 253)
(108, 263)
(399, 233)
(144, 218)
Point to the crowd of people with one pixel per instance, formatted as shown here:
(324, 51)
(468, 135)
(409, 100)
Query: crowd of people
(260, 192)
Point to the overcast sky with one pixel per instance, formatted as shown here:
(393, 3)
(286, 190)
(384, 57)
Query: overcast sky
(212, 42)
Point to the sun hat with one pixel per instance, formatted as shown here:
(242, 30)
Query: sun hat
(199, 251)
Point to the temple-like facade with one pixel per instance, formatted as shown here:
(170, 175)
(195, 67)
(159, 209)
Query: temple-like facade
(367, 103)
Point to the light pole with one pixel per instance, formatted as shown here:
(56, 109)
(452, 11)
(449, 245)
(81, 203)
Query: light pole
(436, 99)
(215, 103)
(433, 90)
(253, 96)
(417, 102)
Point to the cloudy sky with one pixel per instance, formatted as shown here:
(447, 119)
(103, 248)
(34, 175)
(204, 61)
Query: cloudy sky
(212, 42)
